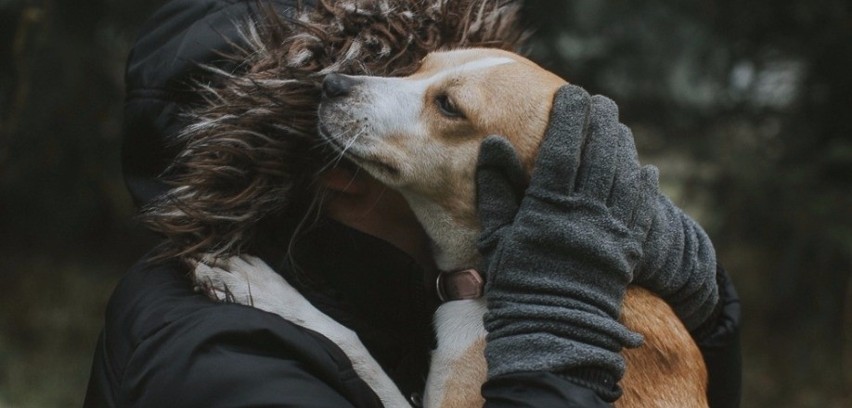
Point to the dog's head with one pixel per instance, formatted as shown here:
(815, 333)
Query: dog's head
(421, 134)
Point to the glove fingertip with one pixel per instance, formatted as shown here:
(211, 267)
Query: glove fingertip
(570, 94)
(497, 154)
(571, 107)
(605, 106)
(629, 144)
(650, 177)
(561, 149)
(495, 150)
(634, 340)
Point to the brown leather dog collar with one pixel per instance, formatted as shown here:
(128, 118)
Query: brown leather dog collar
(460, 285)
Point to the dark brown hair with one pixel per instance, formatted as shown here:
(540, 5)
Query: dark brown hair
(251, 149)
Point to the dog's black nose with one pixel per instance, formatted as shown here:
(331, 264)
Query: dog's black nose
(336, 85)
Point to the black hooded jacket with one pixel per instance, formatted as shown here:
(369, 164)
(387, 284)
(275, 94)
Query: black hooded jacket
(164, 345)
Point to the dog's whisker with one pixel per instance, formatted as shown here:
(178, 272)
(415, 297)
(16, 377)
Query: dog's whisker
(341, 153)
(376, 201)
(333, 141)
(354, 177)
(346, 147)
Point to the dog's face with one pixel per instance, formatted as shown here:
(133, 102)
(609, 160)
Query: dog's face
(421, 134)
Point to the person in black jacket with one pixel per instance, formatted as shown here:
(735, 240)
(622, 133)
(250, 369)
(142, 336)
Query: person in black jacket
(164, 344)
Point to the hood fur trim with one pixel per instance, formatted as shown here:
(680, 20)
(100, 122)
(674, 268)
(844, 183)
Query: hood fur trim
(252, 151)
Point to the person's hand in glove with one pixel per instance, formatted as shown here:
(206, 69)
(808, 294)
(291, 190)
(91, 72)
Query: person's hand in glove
(559, 256)
(679, 265)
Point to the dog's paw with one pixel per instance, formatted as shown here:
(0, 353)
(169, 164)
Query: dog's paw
(250, 281)
(246, 280)
(219, 282)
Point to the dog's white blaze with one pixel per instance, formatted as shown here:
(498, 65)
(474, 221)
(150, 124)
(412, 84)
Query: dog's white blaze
(474, 65)
(397, 105)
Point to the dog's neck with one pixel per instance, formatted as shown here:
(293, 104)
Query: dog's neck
(454, 243)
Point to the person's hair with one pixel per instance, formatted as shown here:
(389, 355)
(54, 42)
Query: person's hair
(251, 151)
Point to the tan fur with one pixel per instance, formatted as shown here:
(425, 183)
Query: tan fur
(485, 99)
(469, 373)
(668, 370)
(505, 95)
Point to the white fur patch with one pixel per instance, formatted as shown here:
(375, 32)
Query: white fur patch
(252, 282)
(477, 65)
(458, 326)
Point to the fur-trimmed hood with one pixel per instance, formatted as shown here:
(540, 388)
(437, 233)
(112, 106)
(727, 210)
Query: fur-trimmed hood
(251, 150)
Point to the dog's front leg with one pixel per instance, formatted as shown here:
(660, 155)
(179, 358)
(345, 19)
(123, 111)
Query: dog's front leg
(250, 281)
(458, 367)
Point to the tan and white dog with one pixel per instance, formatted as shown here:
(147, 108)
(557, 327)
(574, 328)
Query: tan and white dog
(420, 135)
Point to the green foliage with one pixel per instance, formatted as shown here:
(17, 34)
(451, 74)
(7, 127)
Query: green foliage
(66, 231)
(49, 329)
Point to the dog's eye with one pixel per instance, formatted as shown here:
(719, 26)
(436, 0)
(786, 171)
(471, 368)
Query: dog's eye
(447, 107)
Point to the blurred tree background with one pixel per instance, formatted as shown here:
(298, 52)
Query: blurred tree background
(744, 106)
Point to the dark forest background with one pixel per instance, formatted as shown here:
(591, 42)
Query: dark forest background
(746, 107)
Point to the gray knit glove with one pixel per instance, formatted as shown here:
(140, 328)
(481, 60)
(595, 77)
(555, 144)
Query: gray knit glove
(559, 257)
(680, 265)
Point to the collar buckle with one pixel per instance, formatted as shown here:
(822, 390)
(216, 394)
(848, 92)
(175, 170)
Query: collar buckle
(459, 285)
